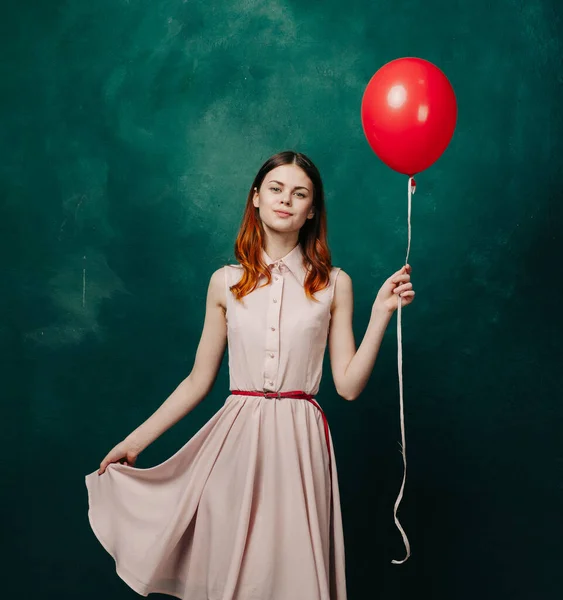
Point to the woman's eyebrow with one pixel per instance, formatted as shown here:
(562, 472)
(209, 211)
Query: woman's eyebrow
(298, 187)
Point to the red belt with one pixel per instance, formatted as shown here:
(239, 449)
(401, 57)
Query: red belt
(293, 394)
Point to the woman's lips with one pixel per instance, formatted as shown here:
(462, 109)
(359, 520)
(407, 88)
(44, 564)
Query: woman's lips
(282, 214)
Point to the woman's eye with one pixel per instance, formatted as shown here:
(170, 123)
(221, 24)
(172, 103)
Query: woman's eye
(275, 189)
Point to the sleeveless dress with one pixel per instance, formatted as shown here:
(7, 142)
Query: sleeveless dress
(249, 507)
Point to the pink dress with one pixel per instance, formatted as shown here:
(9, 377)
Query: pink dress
(247, 509)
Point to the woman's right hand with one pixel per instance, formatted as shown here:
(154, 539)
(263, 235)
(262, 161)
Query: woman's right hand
(126, 452)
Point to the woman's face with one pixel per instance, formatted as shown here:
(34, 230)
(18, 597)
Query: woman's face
(286, 188)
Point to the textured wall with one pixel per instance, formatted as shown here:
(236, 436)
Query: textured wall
(131, 131)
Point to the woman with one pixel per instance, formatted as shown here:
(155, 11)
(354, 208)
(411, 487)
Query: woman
(249, 507)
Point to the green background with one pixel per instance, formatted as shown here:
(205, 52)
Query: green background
(131, 131)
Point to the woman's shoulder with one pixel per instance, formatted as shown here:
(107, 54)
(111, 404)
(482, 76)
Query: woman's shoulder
(340, 278)
(341, 288)
(231, 273)
(223, 275)
(231, 270)
(339, 272)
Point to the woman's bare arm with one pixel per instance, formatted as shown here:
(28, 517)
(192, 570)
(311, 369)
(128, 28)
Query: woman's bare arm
(193, 389)
(351, 369)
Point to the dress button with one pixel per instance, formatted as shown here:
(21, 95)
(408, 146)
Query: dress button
(271, 355)
(273, 328)
(276, 277)
(275, 300)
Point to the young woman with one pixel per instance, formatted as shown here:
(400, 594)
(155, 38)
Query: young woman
(249, 507)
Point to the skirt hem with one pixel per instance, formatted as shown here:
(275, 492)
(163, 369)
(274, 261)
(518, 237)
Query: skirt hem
(135, 584)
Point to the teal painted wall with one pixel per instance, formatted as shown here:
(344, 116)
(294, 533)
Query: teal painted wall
(131, 131)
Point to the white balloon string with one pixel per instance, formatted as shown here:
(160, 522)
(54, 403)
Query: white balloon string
(411, 190)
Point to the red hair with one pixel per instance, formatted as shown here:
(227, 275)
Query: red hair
(312, 235)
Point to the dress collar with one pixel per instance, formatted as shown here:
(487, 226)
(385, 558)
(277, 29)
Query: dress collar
(293, 260)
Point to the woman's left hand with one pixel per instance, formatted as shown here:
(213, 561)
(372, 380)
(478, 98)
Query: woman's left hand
(398, 285)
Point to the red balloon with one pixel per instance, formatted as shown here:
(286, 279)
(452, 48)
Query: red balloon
(409, 113)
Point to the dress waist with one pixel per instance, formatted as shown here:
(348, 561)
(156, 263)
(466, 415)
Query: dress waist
(290, 394)
(293, 394)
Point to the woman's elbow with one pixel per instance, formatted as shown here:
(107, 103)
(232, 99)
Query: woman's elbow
(346, 395)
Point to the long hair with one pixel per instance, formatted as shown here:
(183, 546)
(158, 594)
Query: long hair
(312, 235)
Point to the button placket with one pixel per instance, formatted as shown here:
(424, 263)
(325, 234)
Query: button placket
(271, 351)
